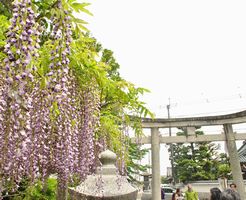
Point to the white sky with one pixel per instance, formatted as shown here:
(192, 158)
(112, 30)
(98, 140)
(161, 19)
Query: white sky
(191, 51)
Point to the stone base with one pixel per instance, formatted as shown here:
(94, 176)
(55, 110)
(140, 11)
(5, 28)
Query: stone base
(74, 195)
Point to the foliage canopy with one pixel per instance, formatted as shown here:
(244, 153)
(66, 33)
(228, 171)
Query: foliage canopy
(62, 98)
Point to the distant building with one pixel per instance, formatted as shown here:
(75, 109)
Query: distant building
(169, 171)
(242, 158)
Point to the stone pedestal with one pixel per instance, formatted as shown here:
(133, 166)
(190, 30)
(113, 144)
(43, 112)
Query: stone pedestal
(105, 184)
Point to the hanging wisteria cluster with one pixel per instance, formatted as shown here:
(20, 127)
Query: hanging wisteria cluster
(87, 162)
(49, 129)
(16, 101)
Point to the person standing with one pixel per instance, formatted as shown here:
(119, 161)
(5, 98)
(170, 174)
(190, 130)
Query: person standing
(191, 194)
(233, 186)
(229, 194)
(162, 194)
(215, 193)
(177, 195)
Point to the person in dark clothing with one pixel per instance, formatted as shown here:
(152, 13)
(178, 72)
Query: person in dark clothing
(162, 194)
(215, 193)
(230, 194)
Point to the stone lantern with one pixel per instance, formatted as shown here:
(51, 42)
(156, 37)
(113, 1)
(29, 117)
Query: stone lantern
(105, 184)
(147, 178)
(147, 194)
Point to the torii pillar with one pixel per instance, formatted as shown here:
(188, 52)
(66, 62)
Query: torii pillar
(234, 160)
(155, 157)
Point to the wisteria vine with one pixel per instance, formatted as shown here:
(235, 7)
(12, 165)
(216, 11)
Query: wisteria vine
(21, 48)
(44, 130)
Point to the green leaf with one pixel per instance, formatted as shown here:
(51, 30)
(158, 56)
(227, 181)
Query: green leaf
(79, 21)
(80, 7)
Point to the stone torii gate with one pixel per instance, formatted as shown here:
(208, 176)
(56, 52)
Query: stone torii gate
(189, 124)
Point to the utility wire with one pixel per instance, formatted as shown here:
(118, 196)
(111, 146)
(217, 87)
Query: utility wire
(210, 113)
(209, 100)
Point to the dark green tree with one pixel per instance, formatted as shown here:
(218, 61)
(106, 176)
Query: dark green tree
(196, 161)
(224, 169)
(134, 168)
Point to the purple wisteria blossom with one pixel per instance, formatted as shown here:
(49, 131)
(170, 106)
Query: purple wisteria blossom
(16, 100)
(75, 124)
(48, 129)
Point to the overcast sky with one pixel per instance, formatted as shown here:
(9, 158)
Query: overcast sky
(191, 51)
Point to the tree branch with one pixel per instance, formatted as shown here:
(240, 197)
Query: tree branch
(7, 4)
(43, 13)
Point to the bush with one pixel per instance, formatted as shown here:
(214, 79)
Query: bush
(38, 192)
(34, 192)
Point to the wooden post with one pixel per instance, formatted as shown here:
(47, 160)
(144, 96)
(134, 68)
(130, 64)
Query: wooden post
(234, 160)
